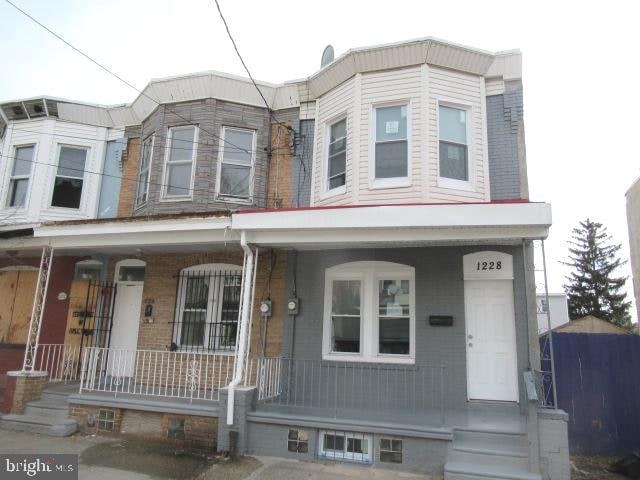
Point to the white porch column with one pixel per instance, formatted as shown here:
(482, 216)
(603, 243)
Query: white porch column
(37, 311)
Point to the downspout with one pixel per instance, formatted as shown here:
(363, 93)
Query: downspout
(244, 327)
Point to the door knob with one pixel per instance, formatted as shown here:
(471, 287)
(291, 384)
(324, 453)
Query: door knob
(470, 344)
(469, 337)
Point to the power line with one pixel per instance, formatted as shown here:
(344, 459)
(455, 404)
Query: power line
(246, 69)
(114, 74)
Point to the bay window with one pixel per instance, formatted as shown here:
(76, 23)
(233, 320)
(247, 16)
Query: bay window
(20, 172)
(179, 162)
(453, 143)
(391, 150)
(236, 163)
(369, 312)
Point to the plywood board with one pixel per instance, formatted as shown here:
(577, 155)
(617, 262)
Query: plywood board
(22, 306)
(8, 284)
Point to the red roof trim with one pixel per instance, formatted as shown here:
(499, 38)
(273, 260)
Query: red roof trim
(338, 207)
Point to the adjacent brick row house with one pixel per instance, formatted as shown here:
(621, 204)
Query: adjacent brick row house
(345, 273)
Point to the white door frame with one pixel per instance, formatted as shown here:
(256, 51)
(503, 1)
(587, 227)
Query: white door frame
(125, 263)
(489, 266)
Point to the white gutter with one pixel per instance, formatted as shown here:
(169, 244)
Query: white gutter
(244, 327)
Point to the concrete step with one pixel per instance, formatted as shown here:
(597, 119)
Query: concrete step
(55, 395)
(471, 471)
(479, 456)
(47, 408)
(490, 439)
(57, 427)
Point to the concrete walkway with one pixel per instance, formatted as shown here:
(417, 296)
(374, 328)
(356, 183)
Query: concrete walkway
(103, 458)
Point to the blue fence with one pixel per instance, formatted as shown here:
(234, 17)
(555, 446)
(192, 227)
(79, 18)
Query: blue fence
(598, 382)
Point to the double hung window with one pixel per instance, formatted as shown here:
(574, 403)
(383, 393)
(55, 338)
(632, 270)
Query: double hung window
(391, 160)
(19, 181)
(453, 143)
(145, 168)
(236, 163)
(69, 180)
(180, 159)
(337, 155)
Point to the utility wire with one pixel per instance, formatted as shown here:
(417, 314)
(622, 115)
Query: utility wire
(246, 69)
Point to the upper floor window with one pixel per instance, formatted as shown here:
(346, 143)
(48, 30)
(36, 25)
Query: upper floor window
(453, 143)
(180, 157)
(391, 142)
(236, 163)
(369, 312)
(19, 182)
(145, 166)
(67, 186)
(337, 155)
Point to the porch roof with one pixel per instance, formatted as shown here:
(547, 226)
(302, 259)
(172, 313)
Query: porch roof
(389, 225)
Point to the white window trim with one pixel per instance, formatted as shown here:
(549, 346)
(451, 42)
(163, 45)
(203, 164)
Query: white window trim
(341, 190)
(165, 169)
(230, 198)
(452, 183)
(10, 176)
(204, 268)
(397, 182)
(146, 194)
(368, 273)
(365, 458)
(87, 164)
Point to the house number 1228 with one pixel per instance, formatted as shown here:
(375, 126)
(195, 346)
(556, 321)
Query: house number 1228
(489, 265)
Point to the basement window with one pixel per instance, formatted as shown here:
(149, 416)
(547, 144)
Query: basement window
(345, 446)
(106, 420)
(67, 187)
(390, 450)
(175, 429)
(298, 441)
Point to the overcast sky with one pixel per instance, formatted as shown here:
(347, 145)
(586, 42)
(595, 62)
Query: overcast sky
(581, 70)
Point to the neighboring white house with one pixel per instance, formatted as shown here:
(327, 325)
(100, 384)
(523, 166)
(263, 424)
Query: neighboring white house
(558, 309)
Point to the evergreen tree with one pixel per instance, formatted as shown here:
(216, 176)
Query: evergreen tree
(592, 287)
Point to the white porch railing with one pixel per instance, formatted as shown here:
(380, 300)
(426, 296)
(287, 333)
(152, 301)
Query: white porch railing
(61, 361)
(193, 376)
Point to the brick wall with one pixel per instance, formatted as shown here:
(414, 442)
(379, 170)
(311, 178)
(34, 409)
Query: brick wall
(199, 432)
(22, 389)
(279, 184)
(128, 183)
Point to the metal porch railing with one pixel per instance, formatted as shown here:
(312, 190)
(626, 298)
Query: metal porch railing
(343, 387)
(61, 361)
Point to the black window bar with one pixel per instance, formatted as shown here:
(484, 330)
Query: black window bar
(206, 312)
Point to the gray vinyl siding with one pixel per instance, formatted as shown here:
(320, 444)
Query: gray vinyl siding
(439, 291)
(507, 156)
(210, 115)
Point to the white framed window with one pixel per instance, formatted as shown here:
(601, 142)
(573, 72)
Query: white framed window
(336, 157)
(69, 180)
(369, 313)
(207, 308)
(355, 447)
(20, 172)
(180, 157)
(236, 161)
(146, 153)
(390, 146)
(454, 152)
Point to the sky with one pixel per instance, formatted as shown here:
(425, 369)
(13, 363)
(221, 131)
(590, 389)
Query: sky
(580, 71)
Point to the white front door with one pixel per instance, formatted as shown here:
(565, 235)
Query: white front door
(124, 332)
(491, 340)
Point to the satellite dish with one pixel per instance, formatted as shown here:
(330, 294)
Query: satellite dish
(327, 56)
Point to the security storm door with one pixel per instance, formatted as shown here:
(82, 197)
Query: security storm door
(490, 327)
(126, 315)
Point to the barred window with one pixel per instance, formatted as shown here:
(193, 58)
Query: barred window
(207, 308)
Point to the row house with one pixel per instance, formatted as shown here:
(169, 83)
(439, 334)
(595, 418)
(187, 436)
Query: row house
(342, 273)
